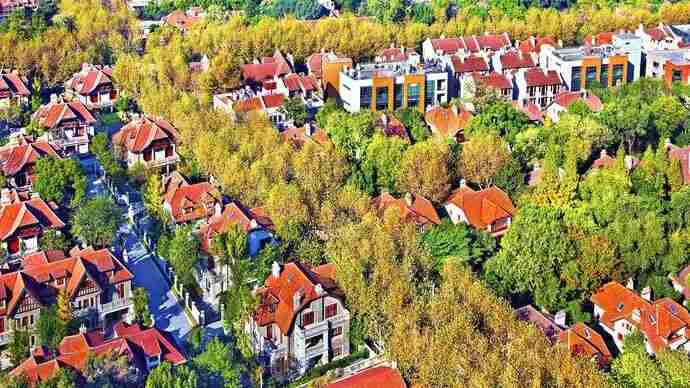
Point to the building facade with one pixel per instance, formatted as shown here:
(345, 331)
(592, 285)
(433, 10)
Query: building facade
(69, 125)
(151, 141)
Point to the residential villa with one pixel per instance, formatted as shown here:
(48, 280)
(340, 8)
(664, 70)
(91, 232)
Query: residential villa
(562, 102)
(186, 202)
(413, 208)
(69, 125)
(149, 140)
(93, 86)
(663, 323)
(489, 209)
(486, 44)
(98, 286)
(308, 133)
(143, 348)
(18, 159)
(681, 281)
(13, 89)
(184, 20)
(583, 341)
(511, 61)
(448, 123)
(23, 221)
(536, 86)
(300, 321)
(326, 68)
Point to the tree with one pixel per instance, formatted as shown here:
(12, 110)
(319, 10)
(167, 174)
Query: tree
(153, 199)
(668, 114)
(413, 120)
(53, 240)
(350, 133)
(50, 328)
(483, 156)
(216, 365)
(294, 109)
(458, 242)
(499, 118)
(634, 368)
(109, 369)
(141, 307)
(63, 378)
(184, 254)
(96, 222)
(383, 157)
(101, 147)
(19, 347)
(424, 170)
(56, 177)
(165, 376)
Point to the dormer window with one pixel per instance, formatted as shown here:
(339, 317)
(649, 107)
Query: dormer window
(619, 307)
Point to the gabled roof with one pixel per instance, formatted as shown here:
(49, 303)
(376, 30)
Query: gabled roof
(531, 109)
(233, 214)
(295, 82)
(15, 156)
(516, 60)
(447, 122)
(376, 377)
(565, 99)
(469, 64)
(581, 340)
(276, 297)
(484, 207)
(448, 45)
(543, 321)
(538, 77)
(33, 212)
(132, 341)
(493, 41)
(493, 80)
(533, 44)
(181, 19)
(90, 78)
(393, 54)
(186, 196)
(54, 113)
(659, 321)
(14, 84)
(138, 135)
(269, 67)
(599, 39)
(413, 208)
(299, 136)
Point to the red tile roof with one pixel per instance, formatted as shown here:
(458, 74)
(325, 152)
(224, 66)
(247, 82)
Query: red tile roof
(90, 78)
(469, 64)
(33, 212)
(447, 122)
(295, 82)
(413, 208)
(583, 341)
(565, 99)
(599, 39)
(132, 341)
(276, 297)
(516, 60)
(54, 113)
(376, 377)
(484, 207)
(393, 54)
(138, 135)
(273, 100)
(269, 67)
(659, 321)
(191, 202)
(17, 155)
(532, 111)
(14, 84)
(233, 214)
(533, 44)
(298, 136)
(537, 77)
(493, 41)
(493, 80)
(448, 45)
(181, 19)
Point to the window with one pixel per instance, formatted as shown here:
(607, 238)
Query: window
(591, 75)
(336, 331)
(398, 91)
(676, 76)
(604, 76)
(331, 310)
(531, 90)
(413, 95)
(307, 318)
(441, 84)
(575, 79)
(269, 332)
(2, 325)
(365, 97)
(617, 74)
(429, 93)
(382, 98)
(337, 350)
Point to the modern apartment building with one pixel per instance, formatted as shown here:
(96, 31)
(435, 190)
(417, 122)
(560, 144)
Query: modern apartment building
(608, 64)
(389, 86)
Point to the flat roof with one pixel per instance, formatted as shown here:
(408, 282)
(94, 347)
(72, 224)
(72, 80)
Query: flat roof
(371, 70)
(579, 53)
(677, 56)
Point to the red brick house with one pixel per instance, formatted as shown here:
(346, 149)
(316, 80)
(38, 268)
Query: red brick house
(490, 209)
(93, 86)
(144, 348)
(148, 140)
(19, 156)
(13, 89)
(69, 124)
(22, 222)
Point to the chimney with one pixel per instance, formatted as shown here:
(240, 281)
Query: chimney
(85, 68)
(53, 97)
(384, 120)
(297, 299)
(308, 130)
(462, 183)
(636, 315)
(559, 318)
(275, 270)
(318, 289)
(560, 43)
(603, 153)
(647, 294)
(409, 199)
(629, 162)
(218, 210)
(5, 197)
(82, 329)
(630, 284)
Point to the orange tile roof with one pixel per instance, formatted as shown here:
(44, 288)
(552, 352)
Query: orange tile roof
(533, 44)
(447, 122)
(413, 208)
(90, 78)
(138, 135)
(297, 136)
(54, 113)
(181, 19)
(14, 157)
(233, 214)
(376, 377)
(658, 321)
(33, 212)
(14, 84)
(186, 202)
(583, 341)
(276, 302)
(482, 208)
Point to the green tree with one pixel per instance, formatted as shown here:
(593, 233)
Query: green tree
(293, 108)
(216, 367)
(184, 254)
(53, 240)
(19, 347)
(56, 177)
(458, 242)
(165, 376)
(141, 307)
(499, 118)
(96, 222)
(483, 156)
(634, 368)
(153, 199)
(413, 120)
(424, 170)
(351, 133)
(101, 147)
(50, 329)
(382, 163)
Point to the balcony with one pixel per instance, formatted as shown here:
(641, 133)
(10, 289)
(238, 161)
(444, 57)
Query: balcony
(115, 305)
(81, 313)
(163, 161)
(5, 338)
(316, 350)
